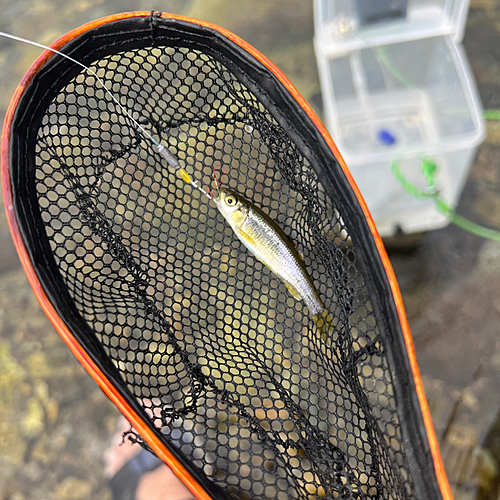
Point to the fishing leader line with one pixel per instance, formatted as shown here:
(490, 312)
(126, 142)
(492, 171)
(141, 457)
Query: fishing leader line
(162, 150)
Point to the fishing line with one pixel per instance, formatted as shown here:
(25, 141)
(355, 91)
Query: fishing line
(162, 150)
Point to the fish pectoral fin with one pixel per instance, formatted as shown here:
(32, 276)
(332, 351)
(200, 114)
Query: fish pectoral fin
(245, 237)
(293, 291)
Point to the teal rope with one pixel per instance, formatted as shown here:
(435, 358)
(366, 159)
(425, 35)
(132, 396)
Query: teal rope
(429, 169)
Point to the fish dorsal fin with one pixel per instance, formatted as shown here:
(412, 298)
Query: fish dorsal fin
(293, 291)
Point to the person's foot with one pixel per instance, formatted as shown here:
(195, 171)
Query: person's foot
(136, 474)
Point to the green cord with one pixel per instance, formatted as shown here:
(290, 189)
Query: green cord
(491, 114)
(409, 187)
(429, 169)
(385, 60)
(384, 57)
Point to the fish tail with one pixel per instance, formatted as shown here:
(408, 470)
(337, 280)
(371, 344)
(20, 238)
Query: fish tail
(324, 323)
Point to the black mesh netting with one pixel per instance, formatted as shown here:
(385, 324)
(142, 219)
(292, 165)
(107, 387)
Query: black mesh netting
(225, 361)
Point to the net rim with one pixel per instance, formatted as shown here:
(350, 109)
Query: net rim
(83, 357)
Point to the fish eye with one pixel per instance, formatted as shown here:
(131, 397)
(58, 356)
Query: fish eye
(231, 201)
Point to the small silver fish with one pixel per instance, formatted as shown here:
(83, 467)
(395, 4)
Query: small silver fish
(268, 243)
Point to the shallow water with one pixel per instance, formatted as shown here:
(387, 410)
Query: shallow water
(55, 424)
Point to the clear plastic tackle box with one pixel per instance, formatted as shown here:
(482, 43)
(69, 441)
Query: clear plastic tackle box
(396, 86)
